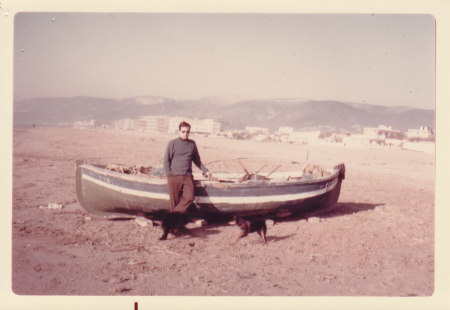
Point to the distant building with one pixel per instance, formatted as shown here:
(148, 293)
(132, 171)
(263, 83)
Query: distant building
(205, 126)
(153, 124)
(85, 124)
(423, 132)
(287, 134)
(257, 130)
(381, 133)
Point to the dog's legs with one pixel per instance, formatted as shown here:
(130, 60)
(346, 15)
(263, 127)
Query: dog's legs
(164, 236)
(262, 234)
(241, 234)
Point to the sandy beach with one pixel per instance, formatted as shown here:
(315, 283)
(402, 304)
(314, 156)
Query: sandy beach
(379, 241)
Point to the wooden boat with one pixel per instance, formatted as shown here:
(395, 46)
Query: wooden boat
(104, 192)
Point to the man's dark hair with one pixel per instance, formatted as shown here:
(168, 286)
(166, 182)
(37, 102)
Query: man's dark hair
(184, 124)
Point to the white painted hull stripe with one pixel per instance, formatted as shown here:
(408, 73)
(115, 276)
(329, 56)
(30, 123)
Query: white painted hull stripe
(123, 190)
(214, 200)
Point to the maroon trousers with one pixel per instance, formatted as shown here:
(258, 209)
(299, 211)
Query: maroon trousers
(181, 192)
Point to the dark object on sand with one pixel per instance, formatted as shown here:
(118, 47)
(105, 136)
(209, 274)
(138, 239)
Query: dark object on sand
(253, 224)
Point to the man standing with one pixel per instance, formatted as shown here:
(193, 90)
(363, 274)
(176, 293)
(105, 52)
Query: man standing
(178, 158)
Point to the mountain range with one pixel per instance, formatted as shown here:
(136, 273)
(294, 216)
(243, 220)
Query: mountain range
(301, 114)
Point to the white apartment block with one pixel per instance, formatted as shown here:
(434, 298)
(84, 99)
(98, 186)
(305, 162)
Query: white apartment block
(207, 125)
(422, 132)
(153, 124)
(381, 132)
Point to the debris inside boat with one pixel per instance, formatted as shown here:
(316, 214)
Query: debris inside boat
(308, 171)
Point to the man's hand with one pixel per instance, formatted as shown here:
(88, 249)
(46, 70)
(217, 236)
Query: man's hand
(208, 175)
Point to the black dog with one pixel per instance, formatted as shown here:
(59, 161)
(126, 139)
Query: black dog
(171, 222)
(250, 225)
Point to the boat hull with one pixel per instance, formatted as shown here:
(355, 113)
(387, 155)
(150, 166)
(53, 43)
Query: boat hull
(108, 193)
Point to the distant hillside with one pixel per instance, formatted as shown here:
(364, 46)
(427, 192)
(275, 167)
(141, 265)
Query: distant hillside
(302, 115)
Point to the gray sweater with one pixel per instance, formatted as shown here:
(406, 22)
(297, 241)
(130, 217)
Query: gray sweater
(179, 156)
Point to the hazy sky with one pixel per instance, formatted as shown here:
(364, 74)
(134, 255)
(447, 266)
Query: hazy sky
(377, 59)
